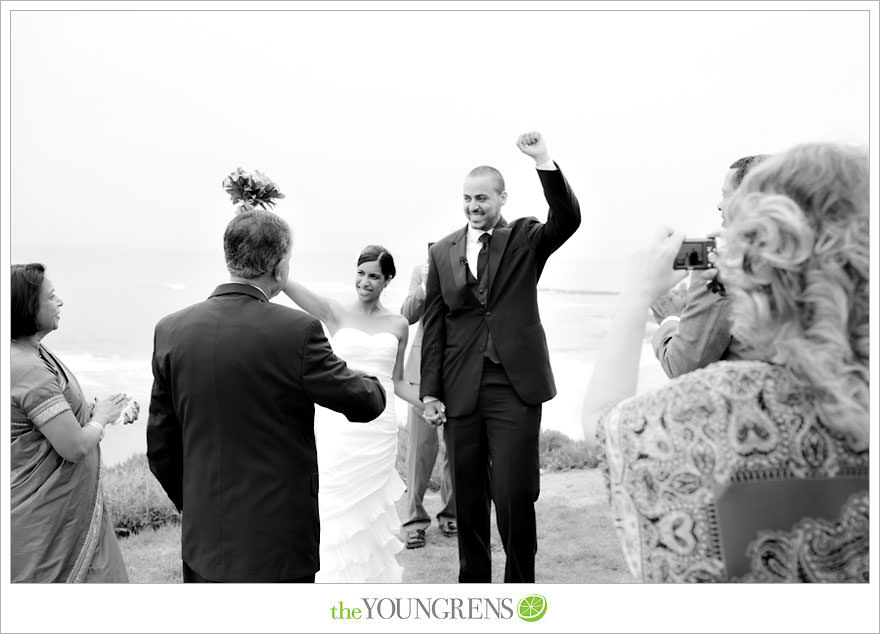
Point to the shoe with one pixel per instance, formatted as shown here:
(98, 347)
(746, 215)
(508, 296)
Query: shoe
(448, 527)
(415, 538)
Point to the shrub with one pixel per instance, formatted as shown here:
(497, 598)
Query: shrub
(137, 501)
(558, 452)
(136, 498)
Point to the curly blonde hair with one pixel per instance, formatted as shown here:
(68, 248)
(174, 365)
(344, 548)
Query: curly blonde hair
(796, 259)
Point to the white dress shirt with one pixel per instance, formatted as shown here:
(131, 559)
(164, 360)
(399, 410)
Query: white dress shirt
(473, 247)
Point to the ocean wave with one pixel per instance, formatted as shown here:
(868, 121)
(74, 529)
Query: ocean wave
(579, 291)
(100, 375)
(90, 362)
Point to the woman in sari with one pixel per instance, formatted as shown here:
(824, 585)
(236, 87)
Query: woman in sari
(753, 470)
(61, 529)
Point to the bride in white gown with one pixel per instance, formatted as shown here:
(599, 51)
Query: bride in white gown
(358, 482)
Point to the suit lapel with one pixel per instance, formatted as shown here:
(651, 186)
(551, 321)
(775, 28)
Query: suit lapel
(497, 246)
(458, 259)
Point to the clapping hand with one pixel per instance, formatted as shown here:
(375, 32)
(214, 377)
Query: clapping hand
(107, 410)
(533, 144)
(129, 413)
(119, 409)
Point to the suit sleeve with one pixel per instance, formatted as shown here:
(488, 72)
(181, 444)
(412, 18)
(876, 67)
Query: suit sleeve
(414, 305)
(433, 335)
(701, 336)
(164, 434)
(329, 382)
(563, 216)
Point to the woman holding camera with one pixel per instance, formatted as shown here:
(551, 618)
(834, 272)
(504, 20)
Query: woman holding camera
(753, 470)
(61, 529)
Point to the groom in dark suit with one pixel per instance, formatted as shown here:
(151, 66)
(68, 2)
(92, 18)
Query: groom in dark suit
(485, 365)
(230, 435)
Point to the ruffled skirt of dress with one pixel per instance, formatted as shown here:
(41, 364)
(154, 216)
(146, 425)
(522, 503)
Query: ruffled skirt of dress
(358, 487)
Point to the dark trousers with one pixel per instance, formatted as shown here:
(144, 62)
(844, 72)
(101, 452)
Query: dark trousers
(494, 453)
(191, 576)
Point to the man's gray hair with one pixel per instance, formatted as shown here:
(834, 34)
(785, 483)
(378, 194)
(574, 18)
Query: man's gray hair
(255, 242)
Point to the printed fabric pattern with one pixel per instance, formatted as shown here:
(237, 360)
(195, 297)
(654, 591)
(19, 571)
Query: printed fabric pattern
(669, 454)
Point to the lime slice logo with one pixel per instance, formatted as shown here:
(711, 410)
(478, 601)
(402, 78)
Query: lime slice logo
(532, 608)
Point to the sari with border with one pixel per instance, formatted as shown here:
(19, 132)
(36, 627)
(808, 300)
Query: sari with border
(61, 529)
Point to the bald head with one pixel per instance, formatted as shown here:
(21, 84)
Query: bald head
(490, 172)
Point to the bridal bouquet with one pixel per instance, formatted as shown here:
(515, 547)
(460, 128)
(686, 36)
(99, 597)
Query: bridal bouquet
(251, 189)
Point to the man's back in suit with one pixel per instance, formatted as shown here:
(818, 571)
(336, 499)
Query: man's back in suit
(231, 431)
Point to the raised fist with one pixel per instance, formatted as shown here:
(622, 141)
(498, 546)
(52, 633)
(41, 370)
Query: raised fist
(532, 144)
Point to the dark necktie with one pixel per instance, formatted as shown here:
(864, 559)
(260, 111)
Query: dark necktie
(483, 286)
(483, 258)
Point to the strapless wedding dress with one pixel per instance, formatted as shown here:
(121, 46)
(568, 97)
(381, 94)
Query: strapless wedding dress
(358, 482)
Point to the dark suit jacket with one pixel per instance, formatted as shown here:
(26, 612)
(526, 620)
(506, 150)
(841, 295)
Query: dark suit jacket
(455, 324)
(231, 436)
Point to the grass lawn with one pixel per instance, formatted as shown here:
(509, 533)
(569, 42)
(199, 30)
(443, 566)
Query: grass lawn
(576, 541)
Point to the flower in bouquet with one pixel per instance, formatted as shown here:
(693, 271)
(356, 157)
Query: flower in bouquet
(251, 189)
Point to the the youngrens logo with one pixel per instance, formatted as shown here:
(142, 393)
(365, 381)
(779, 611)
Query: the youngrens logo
(530, 608)
(412, 608)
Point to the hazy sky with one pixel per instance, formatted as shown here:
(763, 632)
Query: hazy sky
(124, 123)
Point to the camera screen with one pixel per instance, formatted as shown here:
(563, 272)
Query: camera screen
(694, 254)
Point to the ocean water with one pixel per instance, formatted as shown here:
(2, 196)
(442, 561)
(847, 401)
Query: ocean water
(114, 297)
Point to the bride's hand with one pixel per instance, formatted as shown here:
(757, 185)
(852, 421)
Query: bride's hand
(435, 413)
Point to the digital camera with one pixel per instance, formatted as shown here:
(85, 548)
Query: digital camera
(694, 254)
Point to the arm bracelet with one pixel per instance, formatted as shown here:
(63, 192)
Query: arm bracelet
(100, 428)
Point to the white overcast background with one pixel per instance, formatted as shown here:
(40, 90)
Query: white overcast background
(125, 123)
(120, 124)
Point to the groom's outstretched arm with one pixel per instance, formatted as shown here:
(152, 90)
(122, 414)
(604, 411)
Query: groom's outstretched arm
(329, 382)
(564, 214)
(165, 437)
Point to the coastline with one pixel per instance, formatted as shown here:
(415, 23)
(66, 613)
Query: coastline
(109, 314)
